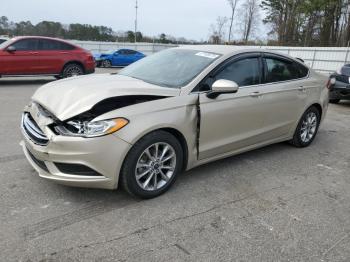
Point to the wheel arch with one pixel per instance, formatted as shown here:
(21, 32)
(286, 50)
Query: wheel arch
(181, 138)
(177, 134)
(74, 62)
(319, 108)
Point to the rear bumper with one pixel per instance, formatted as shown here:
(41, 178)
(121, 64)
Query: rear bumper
(90, 67)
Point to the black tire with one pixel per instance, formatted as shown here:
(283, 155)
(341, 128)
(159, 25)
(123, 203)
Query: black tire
(72, 69)
(128, 173)
(106, 63)
(298, 140)
(334, 101)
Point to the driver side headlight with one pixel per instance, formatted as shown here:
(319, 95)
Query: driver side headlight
(91, 128)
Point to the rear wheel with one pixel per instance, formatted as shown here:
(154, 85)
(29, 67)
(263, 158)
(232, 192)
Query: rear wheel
(334, 101)
(307, 128)
(72, 70)
(152, 165)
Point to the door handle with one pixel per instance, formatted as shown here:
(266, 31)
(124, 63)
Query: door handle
(33, 53)
(256, 94)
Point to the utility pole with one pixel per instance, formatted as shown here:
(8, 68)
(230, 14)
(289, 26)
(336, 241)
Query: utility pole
(136, 7)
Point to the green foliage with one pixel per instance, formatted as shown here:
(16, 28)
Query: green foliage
(308, 23)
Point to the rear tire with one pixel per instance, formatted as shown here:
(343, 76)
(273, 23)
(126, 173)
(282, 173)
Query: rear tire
(72, 69)
(152, 165)
(307, 128)
(334, 101)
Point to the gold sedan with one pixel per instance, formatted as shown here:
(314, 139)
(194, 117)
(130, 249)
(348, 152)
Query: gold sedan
(170, 112)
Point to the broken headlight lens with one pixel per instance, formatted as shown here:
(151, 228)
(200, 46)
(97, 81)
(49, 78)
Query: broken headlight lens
(91, 129)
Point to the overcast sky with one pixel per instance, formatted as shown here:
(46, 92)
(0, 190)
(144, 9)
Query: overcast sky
(187, 18)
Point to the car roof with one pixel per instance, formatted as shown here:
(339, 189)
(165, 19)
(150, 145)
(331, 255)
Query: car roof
(231, 50)
(41, 37)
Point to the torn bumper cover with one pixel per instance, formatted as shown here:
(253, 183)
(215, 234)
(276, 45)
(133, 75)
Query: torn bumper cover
(72, 161)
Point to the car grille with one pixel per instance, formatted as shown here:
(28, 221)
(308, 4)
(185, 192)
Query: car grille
(32, 130)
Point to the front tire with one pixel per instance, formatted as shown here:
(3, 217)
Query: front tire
(307, 128)
(106, 63)
(152, 165)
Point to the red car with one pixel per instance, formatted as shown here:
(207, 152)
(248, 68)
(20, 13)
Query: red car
(44, 56)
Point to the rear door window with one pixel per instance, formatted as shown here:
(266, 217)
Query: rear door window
(46, 44)
(279, 69)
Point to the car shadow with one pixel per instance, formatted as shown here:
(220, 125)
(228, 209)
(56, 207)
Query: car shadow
(26, 81)
(345, 103)
(119, 198)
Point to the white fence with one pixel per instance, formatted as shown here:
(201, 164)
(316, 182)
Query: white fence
(100, 47)
(322, 59)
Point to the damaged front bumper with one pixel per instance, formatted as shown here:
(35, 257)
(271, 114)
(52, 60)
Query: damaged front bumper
(73, 161)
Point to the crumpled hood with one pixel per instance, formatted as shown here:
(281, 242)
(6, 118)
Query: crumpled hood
(73, 96)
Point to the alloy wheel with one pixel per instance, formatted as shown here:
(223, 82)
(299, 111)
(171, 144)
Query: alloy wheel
(73, 71)
(308, 127)
(155, 166)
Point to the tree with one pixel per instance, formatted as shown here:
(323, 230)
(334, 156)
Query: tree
(233, 5)
(312, 22)
(130, 36)
(250, 18)
(217, 30)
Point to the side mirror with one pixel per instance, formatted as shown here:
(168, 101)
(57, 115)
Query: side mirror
(116, 54)
(11, 48)
(222, 86)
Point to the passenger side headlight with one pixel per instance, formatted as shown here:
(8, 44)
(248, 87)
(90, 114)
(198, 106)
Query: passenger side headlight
(91, 128)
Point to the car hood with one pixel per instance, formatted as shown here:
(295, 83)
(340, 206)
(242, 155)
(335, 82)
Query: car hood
(73, 96)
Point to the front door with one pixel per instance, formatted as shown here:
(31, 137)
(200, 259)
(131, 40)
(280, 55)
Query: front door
(24, 60)
(233, 121)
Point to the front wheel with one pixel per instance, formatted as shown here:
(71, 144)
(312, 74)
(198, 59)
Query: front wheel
(152, 165)
(307, 128)
(106, 63)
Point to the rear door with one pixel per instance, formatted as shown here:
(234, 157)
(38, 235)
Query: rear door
(131, 57)
(231, 122)
(53, 55)
(23, 61)
(284, 88)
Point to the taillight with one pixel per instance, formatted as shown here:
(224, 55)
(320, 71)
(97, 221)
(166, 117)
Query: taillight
(330, 83)
(90, 58)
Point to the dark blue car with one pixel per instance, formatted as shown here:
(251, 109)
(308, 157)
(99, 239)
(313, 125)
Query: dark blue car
(122, 57)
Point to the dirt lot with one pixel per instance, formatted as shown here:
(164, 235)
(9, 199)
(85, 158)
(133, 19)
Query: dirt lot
(277, 203)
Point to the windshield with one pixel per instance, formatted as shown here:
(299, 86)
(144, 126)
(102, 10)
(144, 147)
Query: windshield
(170, 68)
(109, 52)
(4, 44)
